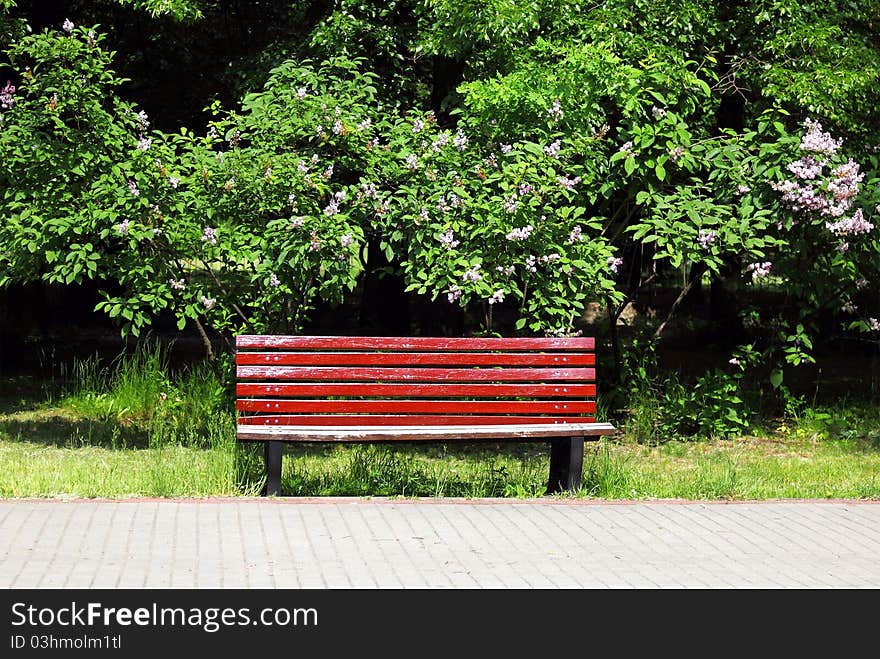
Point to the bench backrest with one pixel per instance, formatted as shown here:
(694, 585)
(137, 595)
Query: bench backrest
(379, 381)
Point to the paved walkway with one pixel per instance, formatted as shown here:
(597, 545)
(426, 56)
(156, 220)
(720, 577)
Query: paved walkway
(369, 543)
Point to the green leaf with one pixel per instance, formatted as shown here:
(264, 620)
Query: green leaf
(776, 378)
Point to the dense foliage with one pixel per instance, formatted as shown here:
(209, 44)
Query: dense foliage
(520, 161)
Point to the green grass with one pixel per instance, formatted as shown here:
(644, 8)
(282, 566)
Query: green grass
(135, 429)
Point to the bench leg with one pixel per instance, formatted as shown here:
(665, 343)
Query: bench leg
(273, 469)
(566, 464)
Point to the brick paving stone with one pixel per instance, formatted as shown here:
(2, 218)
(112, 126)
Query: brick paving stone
(377, 543)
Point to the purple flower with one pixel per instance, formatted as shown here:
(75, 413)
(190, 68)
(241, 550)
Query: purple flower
(850, 226)
(338, 127)
(209, 234)
(576, 235)
(497, 296)
(506, 270)
(207, 302)
(742, 189)
(448, 240)
(441, 141)
(273, 280)
(759, 269)
(412, 162)
(453, 294)
(530, 263)
(706, 238)
(734, 361)
(613, 263)
(521, 233)
(874, 323)
(133, 188)
(314, 243)
(173, 181)
(472, 273)
(568, 183)
(506, 148)
(552, 150)
(67, 25)
(123, 227)
(806, 168)
(676, 153)
(511, 204)
(418, 126)
(142, 120)
(301, 93)
(627, 148)
(817, 141)
(658, 113)
(555, 112)
(345, 239)
(460, 140)
(144, 143)
(6, 96)
(177, 284)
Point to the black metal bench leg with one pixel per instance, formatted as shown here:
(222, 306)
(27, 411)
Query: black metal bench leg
(273, 469)
(566, 464)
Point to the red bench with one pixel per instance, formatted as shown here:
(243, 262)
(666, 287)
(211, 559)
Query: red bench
(378, 389)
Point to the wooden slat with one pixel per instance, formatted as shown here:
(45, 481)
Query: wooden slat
(246, 341)
(524, 432)
(416, 374)
(415, 359)
(416, 406)
(415, 390)
(402, 420)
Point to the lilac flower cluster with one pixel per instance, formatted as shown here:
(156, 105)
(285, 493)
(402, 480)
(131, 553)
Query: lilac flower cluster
(568, 183)
(209, 235)
(658, 113)
(817, 141)
(177, 284)
(807, 168)
(552, 150)
(497, 296)
(173, 181)
(441, 141)
(706, 237)
(273, 280)
(7, 100)
(832, 199)
(576, 235)
(314, 242)
(613, 263)
(506, 270)
(473, 273)
(448, 240)
(520, 233)
(123, 227)
(627, 149)
(144, 143)
(412, 162)
(676, 153)
(850, 226)
(759, 270)
(555, 112)
(208, 302)
(460, 141)
(418, 126)
(453, 294)
(332, 208)
(874, 324)
(67, 25)
(133, 188)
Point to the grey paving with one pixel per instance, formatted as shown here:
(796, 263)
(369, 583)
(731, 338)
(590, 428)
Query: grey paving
(370, 543)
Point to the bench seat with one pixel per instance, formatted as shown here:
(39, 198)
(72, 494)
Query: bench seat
(387, 389)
